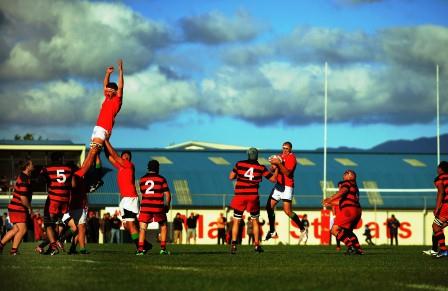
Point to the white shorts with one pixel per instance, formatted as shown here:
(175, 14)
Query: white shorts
(99, 132)
(282, 193)
(130, 204)
(78, 215)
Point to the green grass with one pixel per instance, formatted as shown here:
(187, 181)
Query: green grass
(201, 267)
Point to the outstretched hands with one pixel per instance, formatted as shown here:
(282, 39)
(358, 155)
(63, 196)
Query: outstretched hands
(120, 64)
(110, 69)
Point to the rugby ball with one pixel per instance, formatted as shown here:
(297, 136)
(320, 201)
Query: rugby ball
(275, 157)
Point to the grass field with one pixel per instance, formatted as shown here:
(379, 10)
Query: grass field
(204, 267)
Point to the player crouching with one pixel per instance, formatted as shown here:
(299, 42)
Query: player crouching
(349, 214)
(156, 200)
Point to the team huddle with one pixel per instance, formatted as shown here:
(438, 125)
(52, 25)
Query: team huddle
(65, 210)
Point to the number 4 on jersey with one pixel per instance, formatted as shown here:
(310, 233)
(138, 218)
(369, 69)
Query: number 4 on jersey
(249, 174)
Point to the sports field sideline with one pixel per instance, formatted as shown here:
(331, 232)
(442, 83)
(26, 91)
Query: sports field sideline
(205, 267)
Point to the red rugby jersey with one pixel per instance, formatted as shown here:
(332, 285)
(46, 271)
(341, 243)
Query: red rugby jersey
(126, 178)
(442, 179)
(351, 194)
(249, 175)
(290, 163)
(108, 112)
(153, 187)
(21, 188)
(59, 180)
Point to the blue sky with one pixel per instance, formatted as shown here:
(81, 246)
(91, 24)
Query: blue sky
(246, 73)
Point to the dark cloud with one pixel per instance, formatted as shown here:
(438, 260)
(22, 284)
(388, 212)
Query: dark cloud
(214, 28)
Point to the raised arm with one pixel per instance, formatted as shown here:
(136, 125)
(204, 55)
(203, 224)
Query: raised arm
(120, 77)
(109, 71)
(111, 154)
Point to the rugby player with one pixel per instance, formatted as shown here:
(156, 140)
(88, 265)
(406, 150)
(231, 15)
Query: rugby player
(113, 94)
(129, 198)
(350, 212)
(156, 201)
(283, 189)
(59, 180)
(441, 209)
(19, 208)
(248, 174)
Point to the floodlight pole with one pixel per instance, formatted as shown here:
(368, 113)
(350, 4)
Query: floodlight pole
(438, 114)
(325, 129)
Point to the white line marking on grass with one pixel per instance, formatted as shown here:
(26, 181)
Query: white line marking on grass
(427, 287)
(85, 261)
(176, 268)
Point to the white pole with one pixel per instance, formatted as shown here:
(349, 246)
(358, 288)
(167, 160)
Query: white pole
(325, 129)
(438, 114)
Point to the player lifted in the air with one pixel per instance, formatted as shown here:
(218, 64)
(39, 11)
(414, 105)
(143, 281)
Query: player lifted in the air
(113, 94)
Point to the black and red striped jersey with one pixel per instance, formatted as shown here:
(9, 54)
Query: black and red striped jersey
(22, 187)
(153, 186)
(59, 181)
(442, 179)
(350, 198)
(248, 177)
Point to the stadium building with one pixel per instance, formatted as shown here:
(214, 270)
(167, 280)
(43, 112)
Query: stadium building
(197, 173)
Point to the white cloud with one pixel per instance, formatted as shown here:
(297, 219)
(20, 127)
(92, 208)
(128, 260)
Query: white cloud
(76, 38)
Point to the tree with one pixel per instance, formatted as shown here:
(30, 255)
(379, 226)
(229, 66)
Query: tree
(17, 137)
(28, 136)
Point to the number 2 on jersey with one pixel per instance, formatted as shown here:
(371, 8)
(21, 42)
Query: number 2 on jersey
(151, 186)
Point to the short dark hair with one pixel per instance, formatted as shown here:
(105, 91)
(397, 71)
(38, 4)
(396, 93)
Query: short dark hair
(112, 85)
(288, 143)
(126, 152)
(23, 164)
(153, 166)
(444, 166)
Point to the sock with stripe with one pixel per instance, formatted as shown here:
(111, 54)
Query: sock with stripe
(134, 237)
(440, 237)
(271, 217)
(344, 237)
(13, 251)
(354, 240)
(435, 243)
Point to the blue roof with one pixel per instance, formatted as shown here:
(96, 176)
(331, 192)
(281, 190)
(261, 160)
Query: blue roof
(209, 185)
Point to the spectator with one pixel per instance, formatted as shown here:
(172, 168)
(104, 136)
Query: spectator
(177, 227)
(221, 224)
(105, 226)
(1, 227)
(304, 234)
(393, 224)
(93, 227)
(250, 231)
(192, 221)
(38, 226)
(115, 225)
(368, 235)
(4, 184)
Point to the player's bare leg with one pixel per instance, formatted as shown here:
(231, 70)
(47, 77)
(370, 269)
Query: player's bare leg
(256, 228)
(292, 215)
(438, 225)
(22, 229)
(235, 228)
(163, 234)
(141, 239)
(270, 209)
(95, 147)
(9, 236)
